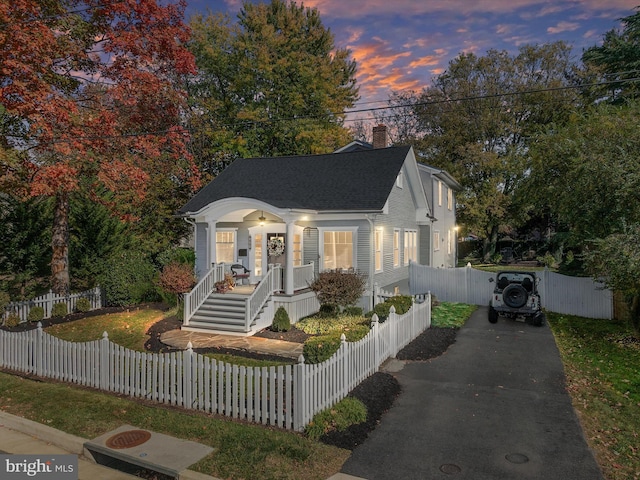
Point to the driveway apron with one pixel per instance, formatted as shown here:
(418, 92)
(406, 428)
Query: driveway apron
(494, 406)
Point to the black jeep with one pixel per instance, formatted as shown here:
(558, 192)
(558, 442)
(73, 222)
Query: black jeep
(516, 296)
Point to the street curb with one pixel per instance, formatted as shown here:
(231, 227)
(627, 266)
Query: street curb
(66, 441)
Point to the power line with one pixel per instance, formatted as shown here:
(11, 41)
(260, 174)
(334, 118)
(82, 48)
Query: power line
(254, 123)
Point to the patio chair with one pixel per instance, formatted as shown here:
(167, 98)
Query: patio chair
(240, 273)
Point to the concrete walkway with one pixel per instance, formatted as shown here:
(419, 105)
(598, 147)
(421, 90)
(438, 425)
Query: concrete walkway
(494, 406)
(181, 338)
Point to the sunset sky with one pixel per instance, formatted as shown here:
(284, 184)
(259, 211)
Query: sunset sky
(400, 44)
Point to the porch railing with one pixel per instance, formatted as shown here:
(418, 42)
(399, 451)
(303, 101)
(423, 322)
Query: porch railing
(196, 297)
(303, 276)
(271, 283)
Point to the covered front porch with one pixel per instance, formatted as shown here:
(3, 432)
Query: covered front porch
(247, 308)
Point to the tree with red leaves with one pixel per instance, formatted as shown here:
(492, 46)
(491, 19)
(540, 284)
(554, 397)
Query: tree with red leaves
(88, 104)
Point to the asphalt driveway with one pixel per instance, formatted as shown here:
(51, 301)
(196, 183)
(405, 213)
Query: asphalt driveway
(494, 406)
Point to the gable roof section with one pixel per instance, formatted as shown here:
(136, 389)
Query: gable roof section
(351, 181)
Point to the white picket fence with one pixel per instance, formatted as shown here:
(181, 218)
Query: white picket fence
(283, 396)
(579, 296)
(48, 300)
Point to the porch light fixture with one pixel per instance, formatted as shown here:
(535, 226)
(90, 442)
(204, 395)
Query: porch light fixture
(261, 218)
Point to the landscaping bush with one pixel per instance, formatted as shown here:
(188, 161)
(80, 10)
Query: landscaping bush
(317, 325)
(281, 321)
(128, 279)
(59, 310)
(36, 314)
(176, 278)
(352, 311)
(13, 320)
(402, 304)
(339, 288)
(83, 305)
(321, 348)
(349, 411)
(328, 310)
(4, 300)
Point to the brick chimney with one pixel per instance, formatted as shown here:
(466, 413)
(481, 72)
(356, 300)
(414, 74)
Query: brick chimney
(380, 136)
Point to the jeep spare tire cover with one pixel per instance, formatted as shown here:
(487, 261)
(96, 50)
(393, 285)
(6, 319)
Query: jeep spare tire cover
(515, 296)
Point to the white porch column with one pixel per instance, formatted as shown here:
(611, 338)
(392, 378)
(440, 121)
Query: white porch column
(288, 276)
(211, 242)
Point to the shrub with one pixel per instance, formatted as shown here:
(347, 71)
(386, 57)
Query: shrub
(281, 322)
(336, 287)
(353, 311)
(401, 302)
(59, 310)
(5, 300)
(321, 348)
(328, 310)
(128, 279)
(13, 320)
(317, 325)
(176, 278)
(349, 411)
(83, 305)
(36, 314)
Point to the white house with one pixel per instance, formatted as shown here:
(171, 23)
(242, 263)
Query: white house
(361, 208)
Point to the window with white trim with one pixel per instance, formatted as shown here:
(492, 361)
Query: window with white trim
(439, 193)
(449, 243)
(400, 180)
(396, 248)
(436, 240)
(449, 198)
(410, 246)
(338, 249)
(378, 241)
(225, 246)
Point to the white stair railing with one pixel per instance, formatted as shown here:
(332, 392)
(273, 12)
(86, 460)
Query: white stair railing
(196, 297)
(271, 283)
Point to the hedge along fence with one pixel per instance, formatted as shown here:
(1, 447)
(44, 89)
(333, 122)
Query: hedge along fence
(47, 302)
(285, 396)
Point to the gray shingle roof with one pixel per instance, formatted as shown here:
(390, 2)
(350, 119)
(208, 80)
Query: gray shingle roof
(358, 180)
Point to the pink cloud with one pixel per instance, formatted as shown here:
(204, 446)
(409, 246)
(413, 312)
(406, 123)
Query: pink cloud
(563, 27)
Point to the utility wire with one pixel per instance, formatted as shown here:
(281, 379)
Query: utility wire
(253, 123)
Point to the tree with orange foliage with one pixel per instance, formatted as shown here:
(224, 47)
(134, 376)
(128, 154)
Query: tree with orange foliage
(88, 104)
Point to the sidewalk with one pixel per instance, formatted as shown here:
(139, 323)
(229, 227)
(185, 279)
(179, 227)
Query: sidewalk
(494, 406)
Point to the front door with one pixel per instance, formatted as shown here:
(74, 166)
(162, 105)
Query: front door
(275, 248)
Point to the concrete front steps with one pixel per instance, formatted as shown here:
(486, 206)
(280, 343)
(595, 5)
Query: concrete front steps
(221, 313)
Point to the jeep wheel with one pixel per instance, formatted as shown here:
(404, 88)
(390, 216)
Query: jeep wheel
(493, 315)
(514, 295)
(539, 319)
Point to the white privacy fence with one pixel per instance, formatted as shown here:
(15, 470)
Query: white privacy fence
(284, 396)
(558, 293)
(50, 299)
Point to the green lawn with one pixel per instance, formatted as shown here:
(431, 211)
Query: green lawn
(602, 365)
(127, 329)
(242, 450)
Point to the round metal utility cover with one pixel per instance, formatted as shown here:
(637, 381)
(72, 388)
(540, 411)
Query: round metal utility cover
(450, 469)
(128, 439)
